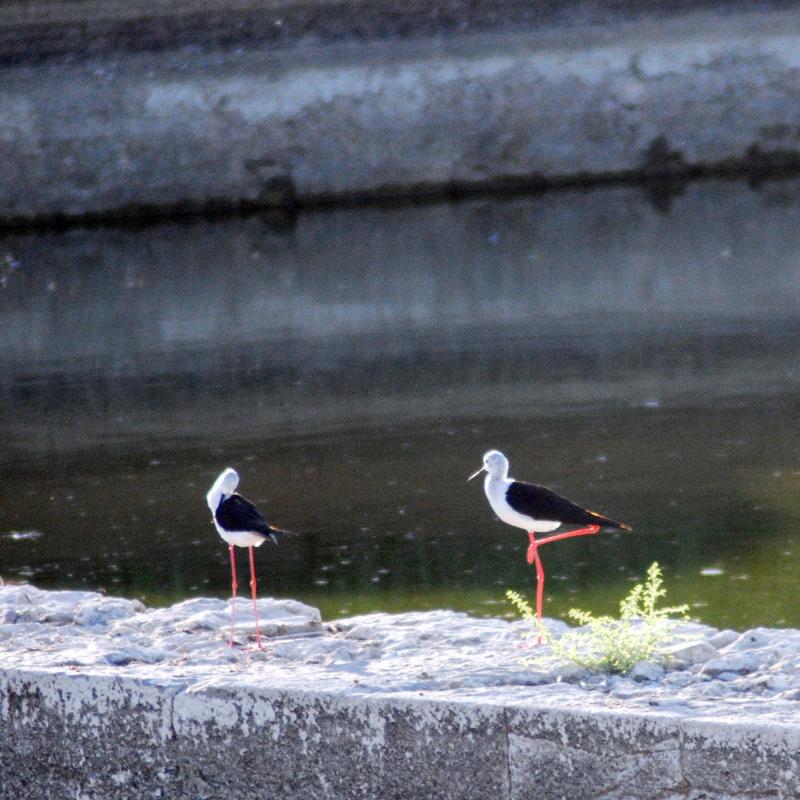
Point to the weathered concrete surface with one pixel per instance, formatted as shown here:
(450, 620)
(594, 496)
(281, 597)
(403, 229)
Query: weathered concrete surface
(103, 698)
(122, 130)
(91, 736)
(70, 736)
(639, 756)
(37, 30)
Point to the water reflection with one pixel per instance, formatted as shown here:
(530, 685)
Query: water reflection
(355, 364)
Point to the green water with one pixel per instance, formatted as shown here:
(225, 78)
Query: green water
(354, 366)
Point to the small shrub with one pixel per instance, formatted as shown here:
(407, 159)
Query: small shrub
(613, 645)
(525, 610)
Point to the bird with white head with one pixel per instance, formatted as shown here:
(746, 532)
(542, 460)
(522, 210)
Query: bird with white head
(239, 524)
(536, 509)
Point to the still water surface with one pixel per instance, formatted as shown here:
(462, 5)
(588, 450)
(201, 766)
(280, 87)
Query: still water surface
(638, 354)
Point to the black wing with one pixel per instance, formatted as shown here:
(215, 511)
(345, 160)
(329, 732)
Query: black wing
(541, 503)
(235, 513)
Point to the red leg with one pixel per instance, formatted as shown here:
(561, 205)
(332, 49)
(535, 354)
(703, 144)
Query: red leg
(253, 590)
(234, 587)
(533, 558)
(539, 595)
(569, 534)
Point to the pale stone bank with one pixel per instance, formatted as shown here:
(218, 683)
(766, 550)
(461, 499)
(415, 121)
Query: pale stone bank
(101, 697)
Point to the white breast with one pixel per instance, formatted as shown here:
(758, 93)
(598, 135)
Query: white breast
(496, 489)
(241, 538)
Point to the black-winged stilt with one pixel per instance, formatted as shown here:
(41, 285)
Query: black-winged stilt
(240, 524)
(536, 509)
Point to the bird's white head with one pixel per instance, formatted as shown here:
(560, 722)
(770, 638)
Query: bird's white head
(228, 480)
(495, 463)
(225, 484)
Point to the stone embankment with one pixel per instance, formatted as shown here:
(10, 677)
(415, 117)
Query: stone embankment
(104, 698)
(109, 109)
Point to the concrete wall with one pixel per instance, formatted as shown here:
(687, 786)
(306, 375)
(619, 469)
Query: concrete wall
(181, 117)
(97, 736)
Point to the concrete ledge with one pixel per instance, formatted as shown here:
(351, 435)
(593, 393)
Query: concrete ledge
(181, 129)
(35, 31)
(114, 737)
(103, 698)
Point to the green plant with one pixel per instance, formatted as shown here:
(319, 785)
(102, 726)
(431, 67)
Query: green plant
(613, 645)
(525, 610)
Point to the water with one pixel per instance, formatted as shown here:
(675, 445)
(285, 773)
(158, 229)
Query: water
(636, 352)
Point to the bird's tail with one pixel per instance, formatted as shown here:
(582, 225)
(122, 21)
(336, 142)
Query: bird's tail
(276, 533)
(605, 522)
(619, 526)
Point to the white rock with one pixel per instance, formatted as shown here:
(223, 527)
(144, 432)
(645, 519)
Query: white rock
(778, 683)
(692, 652)
(411, 652)
(679, 679)
(270, 608)
(100, 610)
(723, 638)
(8, 615)
(755, 639)
(737, 663)
(646, 671)
(197, 604)
(363, 632)
(689, 629)
(145, 655)
(206, 620)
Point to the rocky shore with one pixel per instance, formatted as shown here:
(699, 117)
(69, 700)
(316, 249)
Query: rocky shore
(720, 716)
(415, 651)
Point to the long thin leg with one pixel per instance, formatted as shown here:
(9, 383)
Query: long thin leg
(234, 587)
(539, 595)
(531, 555)
(253, 590)
(569, 534)
(533, 558)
